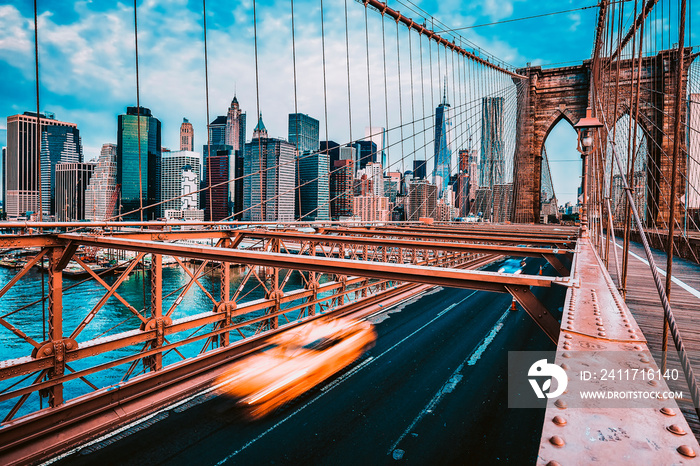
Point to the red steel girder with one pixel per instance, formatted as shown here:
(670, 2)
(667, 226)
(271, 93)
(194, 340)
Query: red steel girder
(477, 280)
(421, 244)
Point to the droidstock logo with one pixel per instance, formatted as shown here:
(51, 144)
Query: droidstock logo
(542, 368)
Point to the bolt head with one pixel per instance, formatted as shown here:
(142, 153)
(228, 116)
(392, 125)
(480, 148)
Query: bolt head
(676, 429)
(557, 441)
(686, 451)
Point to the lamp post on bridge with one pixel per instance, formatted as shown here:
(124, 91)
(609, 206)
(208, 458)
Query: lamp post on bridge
(585, 127)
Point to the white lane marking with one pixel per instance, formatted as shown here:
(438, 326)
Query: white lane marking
(675, 280)
(340, 380)
(454, 379)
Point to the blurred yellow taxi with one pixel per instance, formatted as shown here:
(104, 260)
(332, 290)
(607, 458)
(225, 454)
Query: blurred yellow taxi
(295, 361)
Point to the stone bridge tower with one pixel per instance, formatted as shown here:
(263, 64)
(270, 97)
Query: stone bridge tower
(550, 95)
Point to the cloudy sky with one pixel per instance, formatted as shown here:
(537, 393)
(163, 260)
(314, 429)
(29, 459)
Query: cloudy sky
(87, 63)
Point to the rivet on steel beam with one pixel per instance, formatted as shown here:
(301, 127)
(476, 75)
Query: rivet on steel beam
(570, 321)
(565, 355)
(631, 330)
(686, 451)
(559, 420)
(568, 327)
(561, 404)
(601, 334)
(644, 360)
(637, 347)
(653, 383)
(667, 411)
(568, 336)
(601, 328)
(554, 463)
(676, 429)
(556, 441)
(564, 366)
(634, 337)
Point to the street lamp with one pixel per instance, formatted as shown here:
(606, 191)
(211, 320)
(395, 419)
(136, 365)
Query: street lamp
(585, 127)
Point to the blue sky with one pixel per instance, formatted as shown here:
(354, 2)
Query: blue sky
(87, 61)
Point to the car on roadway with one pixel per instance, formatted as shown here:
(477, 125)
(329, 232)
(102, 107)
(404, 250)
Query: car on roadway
(514, 266)
(294, 362)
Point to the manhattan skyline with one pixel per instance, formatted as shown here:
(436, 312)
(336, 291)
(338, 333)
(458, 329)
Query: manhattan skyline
(87, 71)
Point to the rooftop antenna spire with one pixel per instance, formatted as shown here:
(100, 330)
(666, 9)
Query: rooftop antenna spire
(444, 93)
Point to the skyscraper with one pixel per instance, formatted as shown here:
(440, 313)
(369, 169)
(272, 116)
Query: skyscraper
(366, 152)
(216, 142)
(186, 135)
(422, 200)
(269, 178)
(146, 188)
(313, 186)
(303, 132)
(101, 195)
(492, 169)
(235, 142)
(342, 189)
(235, 126)
(72, 180)
(377, 135)
(22, 182)
(59, 144)
(216, 194)
(179, 167)
(442, 152)
(419, 169)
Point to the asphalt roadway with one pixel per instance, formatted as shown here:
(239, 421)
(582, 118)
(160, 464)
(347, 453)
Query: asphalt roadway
(432, 391)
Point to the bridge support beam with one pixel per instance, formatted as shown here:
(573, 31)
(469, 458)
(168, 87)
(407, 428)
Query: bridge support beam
(539, 313)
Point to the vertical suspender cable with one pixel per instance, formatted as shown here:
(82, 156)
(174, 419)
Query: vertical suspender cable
(296, 115)
(674, 171)
(347, 66)
(257, 104)
(206, 90)
(138, 110)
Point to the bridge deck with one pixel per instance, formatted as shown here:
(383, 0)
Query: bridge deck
(643, 301)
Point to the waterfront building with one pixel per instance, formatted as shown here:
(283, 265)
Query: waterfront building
(269, 178)
(180, 176)
(186, 135)
(442, 149)
(59, 144)
(463, 200)
(21, 179)
(303, 132)
(101, 195)
(342, 189)
(492, 169)
(146, 189)
(72, 179)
